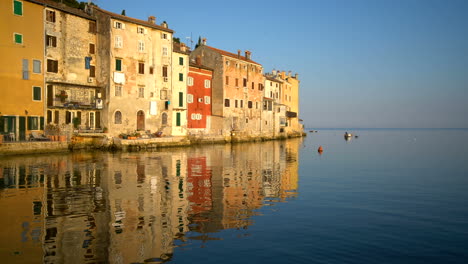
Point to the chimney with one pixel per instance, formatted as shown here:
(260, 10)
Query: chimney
(289, 73)
(152, 19)
(204, 41)
(273, 72)
(164, 24)
(296, 76)
(247, 55)
(182, 47)
(198, 60)
(283, 75)
(238, 54)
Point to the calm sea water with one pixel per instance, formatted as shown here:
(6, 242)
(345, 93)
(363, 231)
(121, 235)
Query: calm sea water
(387, 196)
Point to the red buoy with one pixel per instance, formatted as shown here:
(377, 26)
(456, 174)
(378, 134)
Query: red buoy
(320, 149)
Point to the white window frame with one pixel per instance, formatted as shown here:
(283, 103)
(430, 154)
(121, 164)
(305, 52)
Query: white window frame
(165, 51)
(207, 99)
(200, 100)
(141, 30)
(190, 81)
(14, 38)
(119, 25)
(141, 92)
(118, 88)
(164, 35)
(207, 84)
(189, 98)
(118, 42)
(35, 68)
(141, 46)
(40, 100)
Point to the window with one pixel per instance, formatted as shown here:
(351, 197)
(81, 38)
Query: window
(249, 104)
(92, 48)
(177, 119)
(245, 82)
(56, 117)
(164, 71)
(118, 64)
(118, 90)
(253, 85)
(181, 77)
(51, 41)
(118, 118)
(33, 123)
(140, 30)
(18, 8)
(181, 61)
(260, 86)
(50, 16)
(190, 81)
(18, 38)
(141, 46)
(235, 104)
(118, 42)
(237, 82)
(163, 35)
(189, 98)
(181, 99)
(242, 103)
(37, 66)
(207, 83)
(25, 69)
(227, 63)
(141, 92)
(200, 100)
(207, 100)
(151, 69)
(226, 102)
(52, 65)
(227, 80)
(164, 51)
(92, 71)
(37, 95)
(141, 67)
(163, 94)
(164, 118)
(119, 25)
(92, 27)
(265, 105)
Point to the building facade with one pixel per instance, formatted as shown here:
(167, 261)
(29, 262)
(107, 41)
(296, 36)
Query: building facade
(199, 99)
(180, 69)
(22, 75)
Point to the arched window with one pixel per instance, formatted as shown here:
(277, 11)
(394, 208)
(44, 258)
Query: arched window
(164, 119)
(118, 117)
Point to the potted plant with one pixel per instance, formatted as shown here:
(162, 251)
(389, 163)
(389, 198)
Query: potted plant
(62, 96)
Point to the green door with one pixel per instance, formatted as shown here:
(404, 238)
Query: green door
(22, 128)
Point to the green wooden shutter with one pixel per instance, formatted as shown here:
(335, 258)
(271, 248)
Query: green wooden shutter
(18, 8)
(118, 65)
(181, 61)
(177, 119)
(37, 93)
(18, 39)
(42, 123)
(181, 99)
(181, 77)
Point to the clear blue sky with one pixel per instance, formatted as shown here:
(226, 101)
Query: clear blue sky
(362, 63)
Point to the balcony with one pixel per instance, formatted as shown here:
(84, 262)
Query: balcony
(290, 114)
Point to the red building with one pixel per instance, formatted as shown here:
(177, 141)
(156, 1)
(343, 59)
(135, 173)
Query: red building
(199, 96)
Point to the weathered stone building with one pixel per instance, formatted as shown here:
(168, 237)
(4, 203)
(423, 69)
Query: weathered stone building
(237, 92)
(72, 67)
(138, 61)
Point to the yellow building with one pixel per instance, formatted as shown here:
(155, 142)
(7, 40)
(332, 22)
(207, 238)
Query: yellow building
(22, 73)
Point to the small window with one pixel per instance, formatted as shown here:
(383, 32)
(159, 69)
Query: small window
(226, 102)
(164, 71)
(141, 67)
(50, 16)
(118, 64)
(249, 104)
(164, 51)
(245, 82)
(37, 93)
(140, 30)
(236, 103)
(253, 85)
(237, 82)
(181, 77)
(241, 103)
(207, 83)
(52, 66)
(151, 69)
(189, 98)
(51, 41)
(163, 35)
(18, 8)
(227, 63)
(25, 68)
(37, 68)
(33, 123)
(178, 119)
(141, 46)
(92, 48)
(118, 42)
(118, 90)
(118, 118)
(181, 99)
(227, 80)
(18, 38)
(190, 81)
(200, 100)
(181, 61)
(207, 100)
(92, 71)
(92, 27)
(141, 92)
(119, 25)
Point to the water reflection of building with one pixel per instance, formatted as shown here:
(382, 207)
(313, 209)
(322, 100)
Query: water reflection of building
(132, 207)
(147, 196)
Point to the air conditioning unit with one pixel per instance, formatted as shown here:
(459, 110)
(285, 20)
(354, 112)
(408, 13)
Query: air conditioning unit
(90, 79)
(166, 79)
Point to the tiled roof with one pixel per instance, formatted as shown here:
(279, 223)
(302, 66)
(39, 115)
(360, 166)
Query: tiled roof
(200, 66)
(134, 20)
(229, 54)
(176, 47)
(270, 78)
(63, 8)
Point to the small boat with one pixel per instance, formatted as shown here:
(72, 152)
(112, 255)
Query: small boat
(348, 135)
